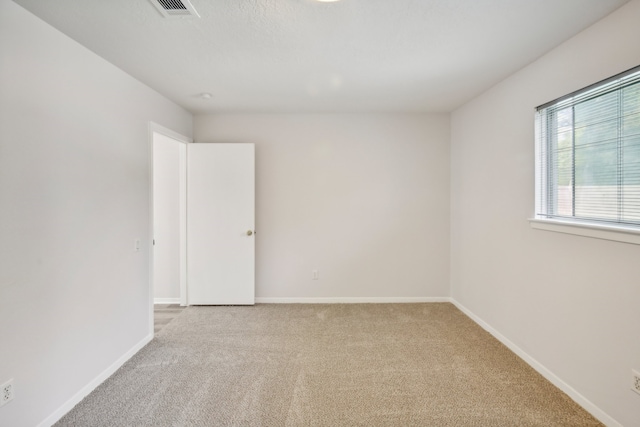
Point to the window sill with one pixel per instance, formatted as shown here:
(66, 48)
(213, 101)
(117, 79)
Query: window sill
(597, 231)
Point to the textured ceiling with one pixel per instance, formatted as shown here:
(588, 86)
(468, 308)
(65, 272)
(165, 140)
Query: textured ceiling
(307, 56)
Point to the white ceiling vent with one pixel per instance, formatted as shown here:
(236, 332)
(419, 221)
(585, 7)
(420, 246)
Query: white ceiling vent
(175, 8)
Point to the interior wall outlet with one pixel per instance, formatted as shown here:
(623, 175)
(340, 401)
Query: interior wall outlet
(6, 392)
(314, 274)
(635, 381)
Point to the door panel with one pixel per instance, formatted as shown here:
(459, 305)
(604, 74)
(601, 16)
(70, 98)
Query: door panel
(220, 213)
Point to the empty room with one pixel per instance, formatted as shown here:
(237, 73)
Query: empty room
(319, 213)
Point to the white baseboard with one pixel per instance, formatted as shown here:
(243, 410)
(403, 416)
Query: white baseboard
(602, 416)
(348, 300)
(69, 404)
(166, 300)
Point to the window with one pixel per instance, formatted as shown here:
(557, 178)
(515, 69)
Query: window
(588, 154)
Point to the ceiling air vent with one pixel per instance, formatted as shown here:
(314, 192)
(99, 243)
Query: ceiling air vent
(175, 8)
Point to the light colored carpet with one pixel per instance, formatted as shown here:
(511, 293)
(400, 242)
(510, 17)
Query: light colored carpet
(326, 365)
(163, 314)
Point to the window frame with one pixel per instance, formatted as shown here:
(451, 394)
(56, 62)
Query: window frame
(601, 229)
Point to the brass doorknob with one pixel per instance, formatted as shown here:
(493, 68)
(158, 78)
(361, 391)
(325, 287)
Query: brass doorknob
(249, 233)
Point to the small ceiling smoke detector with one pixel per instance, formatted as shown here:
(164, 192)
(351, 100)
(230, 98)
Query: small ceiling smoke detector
(175, 8)
(206, 95)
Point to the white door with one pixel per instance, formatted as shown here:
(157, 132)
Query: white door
(220, 224)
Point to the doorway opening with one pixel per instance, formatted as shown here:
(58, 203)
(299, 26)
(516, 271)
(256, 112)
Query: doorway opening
(167, 267)
(220, 212)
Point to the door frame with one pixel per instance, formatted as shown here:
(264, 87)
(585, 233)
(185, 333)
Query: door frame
(183, 141)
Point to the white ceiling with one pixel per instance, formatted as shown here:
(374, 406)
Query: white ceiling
(307, 56)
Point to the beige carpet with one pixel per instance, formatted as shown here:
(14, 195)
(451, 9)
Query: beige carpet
(163, 314)
(326, 365)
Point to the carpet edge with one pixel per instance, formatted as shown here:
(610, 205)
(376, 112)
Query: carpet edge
(347, 300)
(585, 403)
(93, 384)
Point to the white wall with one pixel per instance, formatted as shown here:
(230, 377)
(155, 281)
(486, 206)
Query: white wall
(570, 302)
(166, 218)
(74, 194)
(362, 198)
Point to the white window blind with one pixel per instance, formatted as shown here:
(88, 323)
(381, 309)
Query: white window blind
(588, 154)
